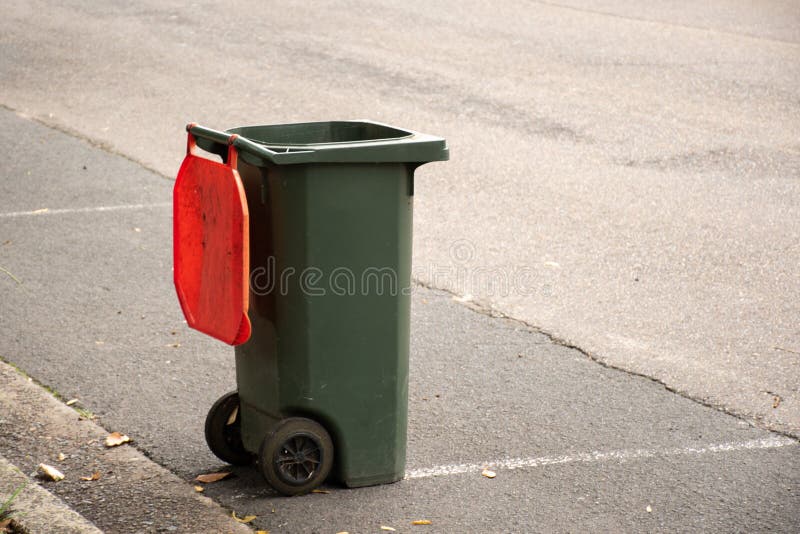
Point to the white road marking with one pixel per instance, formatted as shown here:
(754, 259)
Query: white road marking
(96, 209)
(598, 456)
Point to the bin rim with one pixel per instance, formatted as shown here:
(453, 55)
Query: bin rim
(402, 146)
(406, 133)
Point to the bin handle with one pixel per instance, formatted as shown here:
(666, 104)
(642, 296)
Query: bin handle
(235, 140)
(191, 149)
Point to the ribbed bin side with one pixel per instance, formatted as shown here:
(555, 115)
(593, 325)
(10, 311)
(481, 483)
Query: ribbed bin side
(334, 324)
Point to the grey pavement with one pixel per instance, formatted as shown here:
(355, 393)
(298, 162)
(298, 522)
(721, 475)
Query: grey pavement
(625, 174)
(89, 310)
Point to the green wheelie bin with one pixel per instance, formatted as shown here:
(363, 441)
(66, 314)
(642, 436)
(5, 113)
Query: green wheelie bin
(303, 262)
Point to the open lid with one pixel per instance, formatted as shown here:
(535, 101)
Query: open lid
(211, 246)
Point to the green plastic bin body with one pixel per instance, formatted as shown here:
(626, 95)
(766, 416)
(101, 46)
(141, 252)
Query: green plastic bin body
(330, 209)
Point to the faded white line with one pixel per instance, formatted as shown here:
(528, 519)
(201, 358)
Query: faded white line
(95, 209)
(598, 456)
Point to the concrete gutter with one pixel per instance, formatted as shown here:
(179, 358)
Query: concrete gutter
(132, 493)
(36, 509)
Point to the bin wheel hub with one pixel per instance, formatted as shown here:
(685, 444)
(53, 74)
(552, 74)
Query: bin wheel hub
(298, 459)
(296, 456)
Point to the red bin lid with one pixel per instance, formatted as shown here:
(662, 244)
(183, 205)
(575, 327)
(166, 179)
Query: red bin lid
(211, 246)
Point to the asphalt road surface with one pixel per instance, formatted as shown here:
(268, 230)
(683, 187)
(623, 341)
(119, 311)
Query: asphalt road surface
(639, 163)
(623, 178)
(89, 310)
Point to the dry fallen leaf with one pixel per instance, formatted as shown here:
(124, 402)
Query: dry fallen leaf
(320, 491)
(212, 477)
(61, 456)
(488, 474)
(94, 476)
(388, 529)
(115, 438)
(776, 401)
(199, 489)
(71, 402)
(232, 416)
(51, 472)
(245, 519)
(421, 522)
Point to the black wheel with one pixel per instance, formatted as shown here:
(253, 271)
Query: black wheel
(224, 431)
(296, 456)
